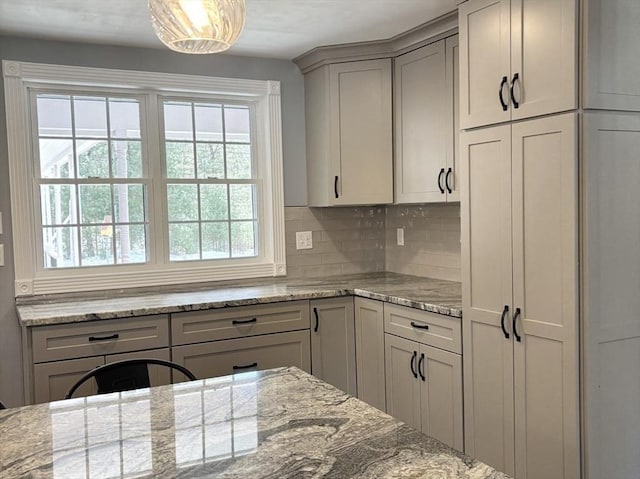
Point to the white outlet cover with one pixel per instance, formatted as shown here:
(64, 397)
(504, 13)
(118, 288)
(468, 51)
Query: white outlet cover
(304, 240)
(400, 236)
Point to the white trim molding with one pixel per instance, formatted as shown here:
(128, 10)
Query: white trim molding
(20, 77)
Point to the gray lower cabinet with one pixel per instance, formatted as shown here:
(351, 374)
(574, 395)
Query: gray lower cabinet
(230, 356)
(333, 356)
(370, 373)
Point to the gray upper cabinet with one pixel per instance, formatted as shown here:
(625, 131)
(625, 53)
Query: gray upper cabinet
(349, 133)
(426, 123)
(518, 59)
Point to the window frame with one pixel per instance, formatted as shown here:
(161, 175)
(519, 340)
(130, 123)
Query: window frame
(21, 78)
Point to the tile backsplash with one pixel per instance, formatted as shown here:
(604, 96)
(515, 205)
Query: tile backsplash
(363, 239)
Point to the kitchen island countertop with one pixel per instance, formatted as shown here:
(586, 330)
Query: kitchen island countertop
(279, 423)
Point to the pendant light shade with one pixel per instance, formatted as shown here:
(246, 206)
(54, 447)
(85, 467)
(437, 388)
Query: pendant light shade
(197, 26)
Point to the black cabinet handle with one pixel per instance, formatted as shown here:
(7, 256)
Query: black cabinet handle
(502, 102)
(244, 321)
(446, 180)
(440, 175)
(335, 186)
(515, 330)
(420, 367)
(104, 338)
(413, 364)
(419, 326)
(505, 311)
(513, 96)
(248, 366)
(315, 313)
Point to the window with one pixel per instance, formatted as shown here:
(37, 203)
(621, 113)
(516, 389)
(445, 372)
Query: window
(117, 184)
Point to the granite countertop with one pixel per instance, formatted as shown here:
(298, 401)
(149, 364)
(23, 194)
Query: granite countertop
(279, 423)
(428, 294)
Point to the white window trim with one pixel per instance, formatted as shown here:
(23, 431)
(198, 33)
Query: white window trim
(29, 281)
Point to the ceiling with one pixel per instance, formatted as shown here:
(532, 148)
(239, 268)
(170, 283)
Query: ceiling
(274, 28)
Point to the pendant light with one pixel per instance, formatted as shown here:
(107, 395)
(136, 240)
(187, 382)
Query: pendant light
(197, 26)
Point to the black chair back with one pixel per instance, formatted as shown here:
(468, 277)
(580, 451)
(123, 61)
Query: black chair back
(125, 375)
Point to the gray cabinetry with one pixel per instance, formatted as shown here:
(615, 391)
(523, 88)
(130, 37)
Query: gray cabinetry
(370, 373)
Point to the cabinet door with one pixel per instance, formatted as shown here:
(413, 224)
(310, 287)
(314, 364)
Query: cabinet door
(220, 358)
(370, 351)
(486, 290)
(441, 395)
(545, 272)
(544, 60)
(158, 375)
(485, 39)
(422, 130)
(612, 64)
(333, 353)
(452, 65)
(401, 376)
(53, 380)
(361, 132)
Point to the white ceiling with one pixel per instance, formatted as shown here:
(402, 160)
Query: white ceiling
(274, 28)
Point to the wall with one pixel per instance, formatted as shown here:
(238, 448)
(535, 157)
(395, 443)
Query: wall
(40, 51)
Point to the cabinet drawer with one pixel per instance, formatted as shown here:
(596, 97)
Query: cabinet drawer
(232, 356)
(428, 328)
(237, 322)
(77, 340)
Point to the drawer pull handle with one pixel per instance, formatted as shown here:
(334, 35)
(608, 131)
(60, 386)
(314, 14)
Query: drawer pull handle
(421, 368)
(315, 313)
(419, 326)
(248, 366)
(104, 338)
(515, 330)
(413, 364)
(244, 321)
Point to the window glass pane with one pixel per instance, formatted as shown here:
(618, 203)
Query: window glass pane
(177, 121)
(131, 246)
(239, 161)
(90, 116)
(126, 159)
(215, 240)
(182, 202)
(60, 247)
(213, 202)
(241, 198)
(96, 245)
(54, 115)
(243, 239)
(129, 203)
(93, 158)
(124, 118)
(56, 158)
(210, 160)
(236, 124)
(58, 204)
(208, 122)
(184, 241)
(180, 162)
(95, 204)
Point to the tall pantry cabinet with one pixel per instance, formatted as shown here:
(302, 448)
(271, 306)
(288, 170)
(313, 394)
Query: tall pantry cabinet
(549, 236)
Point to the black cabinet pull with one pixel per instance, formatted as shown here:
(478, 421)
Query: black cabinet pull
(420, 367)
(446, 180)
(440, 175)
(244, 321)
(419, 326)
(413, 364)
(502, 102)
(248, 366)
(515, 330)
(513, 96)
(104, 338)
(335, 185)
(315, 313)
(505, 311)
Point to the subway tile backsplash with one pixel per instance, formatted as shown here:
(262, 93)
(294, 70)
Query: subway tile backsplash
(363, 239)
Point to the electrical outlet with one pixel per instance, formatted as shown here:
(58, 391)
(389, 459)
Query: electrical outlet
(1, 255)
(304, 240)
(1, 230)
(400, 236)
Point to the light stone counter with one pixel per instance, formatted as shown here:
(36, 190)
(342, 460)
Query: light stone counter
(433, 295)
(280, 423)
